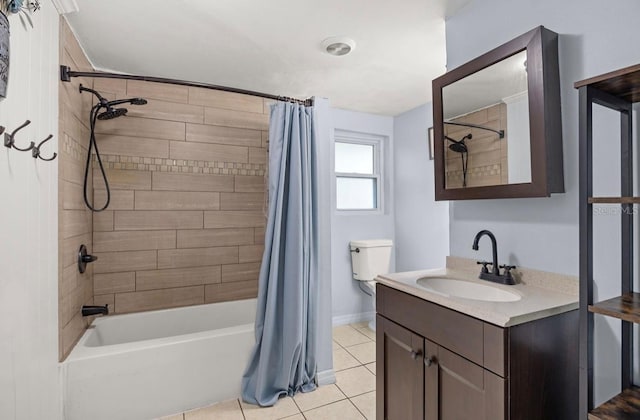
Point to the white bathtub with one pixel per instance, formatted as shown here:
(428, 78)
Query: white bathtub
(150, 364)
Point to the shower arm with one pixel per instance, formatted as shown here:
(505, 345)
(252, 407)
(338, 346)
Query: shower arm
(500, 133)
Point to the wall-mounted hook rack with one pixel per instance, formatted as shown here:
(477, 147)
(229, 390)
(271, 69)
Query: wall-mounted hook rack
(10, 141)
(35, 152)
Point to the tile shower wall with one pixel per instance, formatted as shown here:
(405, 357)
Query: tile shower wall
(74, 220)
(187, 174)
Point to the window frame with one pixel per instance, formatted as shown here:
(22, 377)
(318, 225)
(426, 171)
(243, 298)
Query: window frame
(378, 170)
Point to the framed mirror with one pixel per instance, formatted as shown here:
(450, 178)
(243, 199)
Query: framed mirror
(497, 123)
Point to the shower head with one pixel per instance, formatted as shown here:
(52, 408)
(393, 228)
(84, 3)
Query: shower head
(112, 113)
(138, 101)
(459, 146)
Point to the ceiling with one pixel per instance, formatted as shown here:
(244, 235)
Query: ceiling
(275, 46)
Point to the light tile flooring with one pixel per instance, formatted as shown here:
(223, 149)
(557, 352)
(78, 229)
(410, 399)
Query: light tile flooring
(353, 397)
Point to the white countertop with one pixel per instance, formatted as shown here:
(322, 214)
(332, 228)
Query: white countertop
(536, 300)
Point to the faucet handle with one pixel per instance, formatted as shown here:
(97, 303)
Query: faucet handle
(484, 265)
(507, 269)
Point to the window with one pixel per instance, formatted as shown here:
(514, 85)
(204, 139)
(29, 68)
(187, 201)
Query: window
(358, 175)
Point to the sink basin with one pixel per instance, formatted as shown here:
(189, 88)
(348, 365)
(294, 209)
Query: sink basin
(467, 290)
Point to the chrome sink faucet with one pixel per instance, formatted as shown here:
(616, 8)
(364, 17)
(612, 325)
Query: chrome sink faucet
(494, 275)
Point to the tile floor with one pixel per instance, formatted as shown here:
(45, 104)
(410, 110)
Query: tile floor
(353, 397)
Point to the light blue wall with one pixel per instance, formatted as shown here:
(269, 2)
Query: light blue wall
(421, 224)
(542, 233)
(349, 302)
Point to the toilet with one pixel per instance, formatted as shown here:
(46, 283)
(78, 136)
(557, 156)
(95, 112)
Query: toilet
(368, 259)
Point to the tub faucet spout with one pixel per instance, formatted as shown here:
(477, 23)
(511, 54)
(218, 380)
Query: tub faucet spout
(88, 310)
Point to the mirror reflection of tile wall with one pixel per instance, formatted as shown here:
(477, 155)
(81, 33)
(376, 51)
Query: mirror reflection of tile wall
(487, 153)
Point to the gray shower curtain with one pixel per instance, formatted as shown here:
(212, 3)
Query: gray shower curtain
(283, 361)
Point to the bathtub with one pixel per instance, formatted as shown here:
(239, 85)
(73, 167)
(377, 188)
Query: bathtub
(151, 364)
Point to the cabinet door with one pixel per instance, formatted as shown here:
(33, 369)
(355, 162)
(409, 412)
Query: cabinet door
(399, 372)
(456, 388)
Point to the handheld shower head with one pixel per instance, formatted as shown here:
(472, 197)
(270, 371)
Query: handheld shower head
(112, 113)
(138, 101)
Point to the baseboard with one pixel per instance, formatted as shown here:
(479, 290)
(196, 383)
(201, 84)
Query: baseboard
(326, 377)
(353, 318)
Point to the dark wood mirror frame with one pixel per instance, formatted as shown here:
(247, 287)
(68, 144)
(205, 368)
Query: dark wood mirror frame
(545, 120)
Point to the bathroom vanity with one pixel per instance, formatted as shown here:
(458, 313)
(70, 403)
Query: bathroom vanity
(441, 356)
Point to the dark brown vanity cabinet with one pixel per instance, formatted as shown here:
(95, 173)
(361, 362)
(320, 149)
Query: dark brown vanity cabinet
(436, 363)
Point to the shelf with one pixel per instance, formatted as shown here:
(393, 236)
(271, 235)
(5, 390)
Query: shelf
(623, 83)
(625, 307)
(623, 406)
(614, 200)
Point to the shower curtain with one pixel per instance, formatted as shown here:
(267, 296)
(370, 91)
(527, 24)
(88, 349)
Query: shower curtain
(283, 361)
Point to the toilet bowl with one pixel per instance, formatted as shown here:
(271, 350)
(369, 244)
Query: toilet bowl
(368, 259)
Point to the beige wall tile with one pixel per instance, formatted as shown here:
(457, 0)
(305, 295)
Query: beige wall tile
(114, 262)
(70, 333)
(229, 118)
(74, 223)
(75, 128)
(120, 179)
(162, 91)
(134, 240)
(157, 220)
(223, 135)
(231, 219)
(258, 236)
(71, 170)
(214, 237)
(258, 156)
(159, 299)
(224, 292)
(197, 257)
(71, 305)
(240, 272)
(132, 146)
(266, 108)
(191, 182)
(177, 277)
(243, 201)
(225, 100)
(250, 253)
(168, 111)
(208, 152)
(103, 221)
(265, 139)
(142, 127)
(109, 299)
(69, 281)
(107, 85)
(72, 196)
(114, 283)
(120, 199)
(69, 249)
(250, 183)
(177, 200)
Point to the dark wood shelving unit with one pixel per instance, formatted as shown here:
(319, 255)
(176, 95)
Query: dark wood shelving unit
(617, 90)
(624, 406)
(625, 307)
(613, 200)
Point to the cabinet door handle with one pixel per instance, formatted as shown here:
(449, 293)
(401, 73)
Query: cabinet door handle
(415, 354)
(429, 361)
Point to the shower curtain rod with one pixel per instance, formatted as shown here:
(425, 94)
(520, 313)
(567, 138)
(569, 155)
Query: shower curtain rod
(66, 74)
(498, 132)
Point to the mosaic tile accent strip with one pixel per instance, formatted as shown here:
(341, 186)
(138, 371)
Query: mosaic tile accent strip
(73, 148)
(181, 166)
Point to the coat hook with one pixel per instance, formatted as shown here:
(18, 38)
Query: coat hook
(10, 141)
(35, 152)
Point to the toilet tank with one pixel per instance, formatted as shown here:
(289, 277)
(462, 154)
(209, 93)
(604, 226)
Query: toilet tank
(370, 258)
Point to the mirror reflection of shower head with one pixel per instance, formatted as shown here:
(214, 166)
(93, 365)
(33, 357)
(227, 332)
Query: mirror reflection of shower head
(459, 146)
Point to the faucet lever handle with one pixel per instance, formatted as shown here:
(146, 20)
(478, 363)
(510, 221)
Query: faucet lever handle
(508, 267)
(484, 265)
